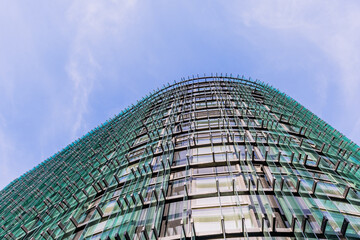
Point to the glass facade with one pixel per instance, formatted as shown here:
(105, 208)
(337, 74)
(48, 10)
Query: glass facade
(206, 158)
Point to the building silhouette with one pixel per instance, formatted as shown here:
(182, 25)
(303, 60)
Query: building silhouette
(217, 157)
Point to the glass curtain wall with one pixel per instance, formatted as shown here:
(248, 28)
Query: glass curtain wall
(217, 157)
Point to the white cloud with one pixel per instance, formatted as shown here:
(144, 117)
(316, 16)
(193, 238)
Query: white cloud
(82, 72)
(332, 26)
(54, 56)
(95, 23)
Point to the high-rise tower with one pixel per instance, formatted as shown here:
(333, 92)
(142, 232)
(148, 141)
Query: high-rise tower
(205, 158)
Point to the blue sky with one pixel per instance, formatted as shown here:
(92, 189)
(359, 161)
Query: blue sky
(67, 66)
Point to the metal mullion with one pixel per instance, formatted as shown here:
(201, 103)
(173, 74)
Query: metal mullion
(167, 172)
(240, 161)
(247, 180)
(191, 130)
(227, 127)
(228, 163)
(275, 192)
(262, 200)
(161, 203)
(280, 194)
(136, 181)
(149, 212)
(127, 210)
(261, 194)
(144, 185)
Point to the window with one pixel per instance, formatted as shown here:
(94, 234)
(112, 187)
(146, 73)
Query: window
(203, 185)
(176, 187)
(171, 225)
(207, 220)
(109, 207)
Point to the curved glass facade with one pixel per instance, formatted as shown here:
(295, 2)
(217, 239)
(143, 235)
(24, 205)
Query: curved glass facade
(205, 158)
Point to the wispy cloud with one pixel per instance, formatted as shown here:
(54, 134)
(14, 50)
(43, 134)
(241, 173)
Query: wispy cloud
(82, 69)
(96, 22)
(49, 71)
(332, 26)
(91, 57)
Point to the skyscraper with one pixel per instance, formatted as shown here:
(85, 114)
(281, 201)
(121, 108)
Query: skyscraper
(206, 158)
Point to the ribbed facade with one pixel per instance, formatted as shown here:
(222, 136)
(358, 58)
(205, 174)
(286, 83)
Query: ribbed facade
(206, 158)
